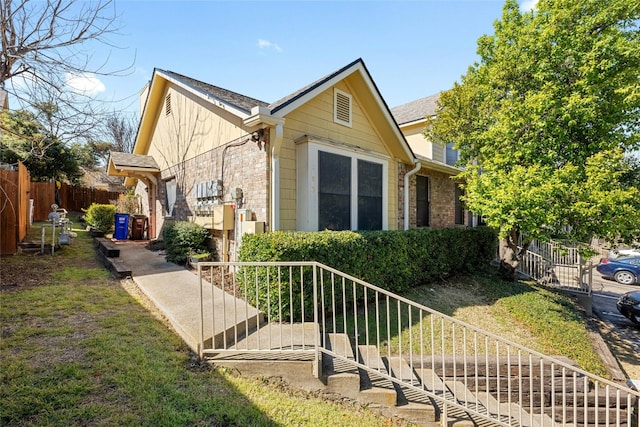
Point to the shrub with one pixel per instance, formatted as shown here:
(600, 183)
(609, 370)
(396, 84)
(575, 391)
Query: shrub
(392, 260)
(182, 238)
(101, 217)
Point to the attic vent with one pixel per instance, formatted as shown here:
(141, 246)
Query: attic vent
(167, 104)
(341, 107)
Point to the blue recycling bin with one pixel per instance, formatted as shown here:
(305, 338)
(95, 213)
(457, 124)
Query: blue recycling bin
(122, 226)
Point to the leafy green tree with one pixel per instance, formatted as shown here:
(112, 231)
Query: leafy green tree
(45, 157)
(543, 121)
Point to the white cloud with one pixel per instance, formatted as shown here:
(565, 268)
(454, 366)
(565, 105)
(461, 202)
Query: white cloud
(528, 5)
(266, 44)
(87, 84)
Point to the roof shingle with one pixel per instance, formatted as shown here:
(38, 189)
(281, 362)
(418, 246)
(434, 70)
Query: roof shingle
(416, 110)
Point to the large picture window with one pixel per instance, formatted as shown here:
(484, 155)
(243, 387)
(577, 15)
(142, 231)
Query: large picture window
(340, 189)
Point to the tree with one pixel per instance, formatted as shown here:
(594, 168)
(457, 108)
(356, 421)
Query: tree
(121, 131)
(45, 157)
(45, 45)
(543, 121)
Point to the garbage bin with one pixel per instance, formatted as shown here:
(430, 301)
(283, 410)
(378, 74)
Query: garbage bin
(122, 226)
(138, 227)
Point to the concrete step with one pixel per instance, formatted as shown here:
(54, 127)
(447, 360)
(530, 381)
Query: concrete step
(514, 411)
(341, 376)
(413, 404)
(456, 417)
(374, 387)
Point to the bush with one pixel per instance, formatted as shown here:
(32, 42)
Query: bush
(182, 238)
(101, 217)
(392, 260)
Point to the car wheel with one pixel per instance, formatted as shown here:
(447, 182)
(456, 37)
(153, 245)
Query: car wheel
(625, 277)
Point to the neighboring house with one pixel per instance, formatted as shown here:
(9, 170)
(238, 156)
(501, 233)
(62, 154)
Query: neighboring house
(329, 156)
(437, 195)
(99, 180)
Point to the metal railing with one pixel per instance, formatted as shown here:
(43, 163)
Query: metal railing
(291, 308)
(555, 265)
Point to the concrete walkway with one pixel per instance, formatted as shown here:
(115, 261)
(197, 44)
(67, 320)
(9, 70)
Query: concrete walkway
(177, 294)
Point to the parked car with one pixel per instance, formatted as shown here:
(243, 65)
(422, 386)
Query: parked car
(623, 269)
(616, 253)
(629, 306)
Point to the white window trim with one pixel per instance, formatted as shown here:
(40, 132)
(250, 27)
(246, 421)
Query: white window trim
(336, 94)
(307, 181)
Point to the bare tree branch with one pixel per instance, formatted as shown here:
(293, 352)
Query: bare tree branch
(44, 44)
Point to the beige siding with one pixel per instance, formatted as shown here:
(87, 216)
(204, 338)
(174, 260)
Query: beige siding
(191, 128)
(421, 145)
(316, 119)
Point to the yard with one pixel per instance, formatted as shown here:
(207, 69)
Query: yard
(80, 348)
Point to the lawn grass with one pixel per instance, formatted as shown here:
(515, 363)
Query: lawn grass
(520, 312)
(78, 349)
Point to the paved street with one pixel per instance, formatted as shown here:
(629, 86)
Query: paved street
(622, 331)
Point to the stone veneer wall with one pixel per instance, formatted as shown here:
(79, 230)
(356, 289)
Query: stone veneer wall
(441, 198)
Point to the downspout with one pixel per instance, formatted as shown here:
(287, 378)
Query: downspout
(275, 177)
(408, 175)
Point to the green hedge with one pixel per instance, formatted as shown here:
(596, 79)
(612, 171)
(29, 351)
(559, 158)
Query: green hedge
(182, 238)
(392, 260)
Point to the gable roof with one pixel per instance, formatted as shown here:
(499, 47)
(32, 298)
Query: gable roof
(291, 98)
(360, 80)
(120, 162)
(235, 99)
(417, 110)
(241, 106)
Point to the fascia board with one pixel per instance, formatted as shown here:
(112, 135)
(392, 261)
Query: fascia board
(359, 66)
(438, 166)
(207, 97)
(316, 91)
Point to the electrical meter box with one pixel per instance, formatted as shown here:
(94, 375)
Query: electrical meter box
(253, 227)
(222, 217)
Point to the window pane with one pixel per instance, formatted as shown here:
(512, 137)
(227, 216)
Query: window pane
(459, 206)
(422, 201)
(451, 154)
(369, 195)
(334, 191)
(170, 196)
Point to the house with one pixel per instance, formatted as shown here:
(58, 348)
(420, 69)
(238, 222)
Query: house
(328, 156)
(437, 196)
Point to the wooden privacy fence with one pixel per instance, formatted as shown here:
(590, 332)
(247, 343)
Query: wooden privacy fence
(16, 192)
(14, 208)
(69, 197)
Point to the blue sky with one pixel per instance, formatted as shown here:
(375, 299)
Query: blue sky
(267, 49)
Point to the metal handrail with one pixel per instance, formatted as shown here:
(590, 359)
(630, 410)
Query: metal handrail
(459, 366)
(545, 264)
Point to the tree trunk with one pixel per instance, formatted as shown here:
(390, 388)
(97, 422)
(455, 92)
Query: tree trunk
(510, 256)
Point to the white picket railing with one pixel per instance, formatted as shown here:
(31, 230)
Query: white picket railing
(289, 309)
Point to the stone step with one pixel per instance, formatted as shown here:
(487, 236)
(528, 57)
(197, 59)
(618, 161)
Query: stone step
(374, 386)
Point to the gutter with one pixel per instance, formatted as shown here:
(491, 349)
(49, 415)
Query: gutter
(408, 175)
